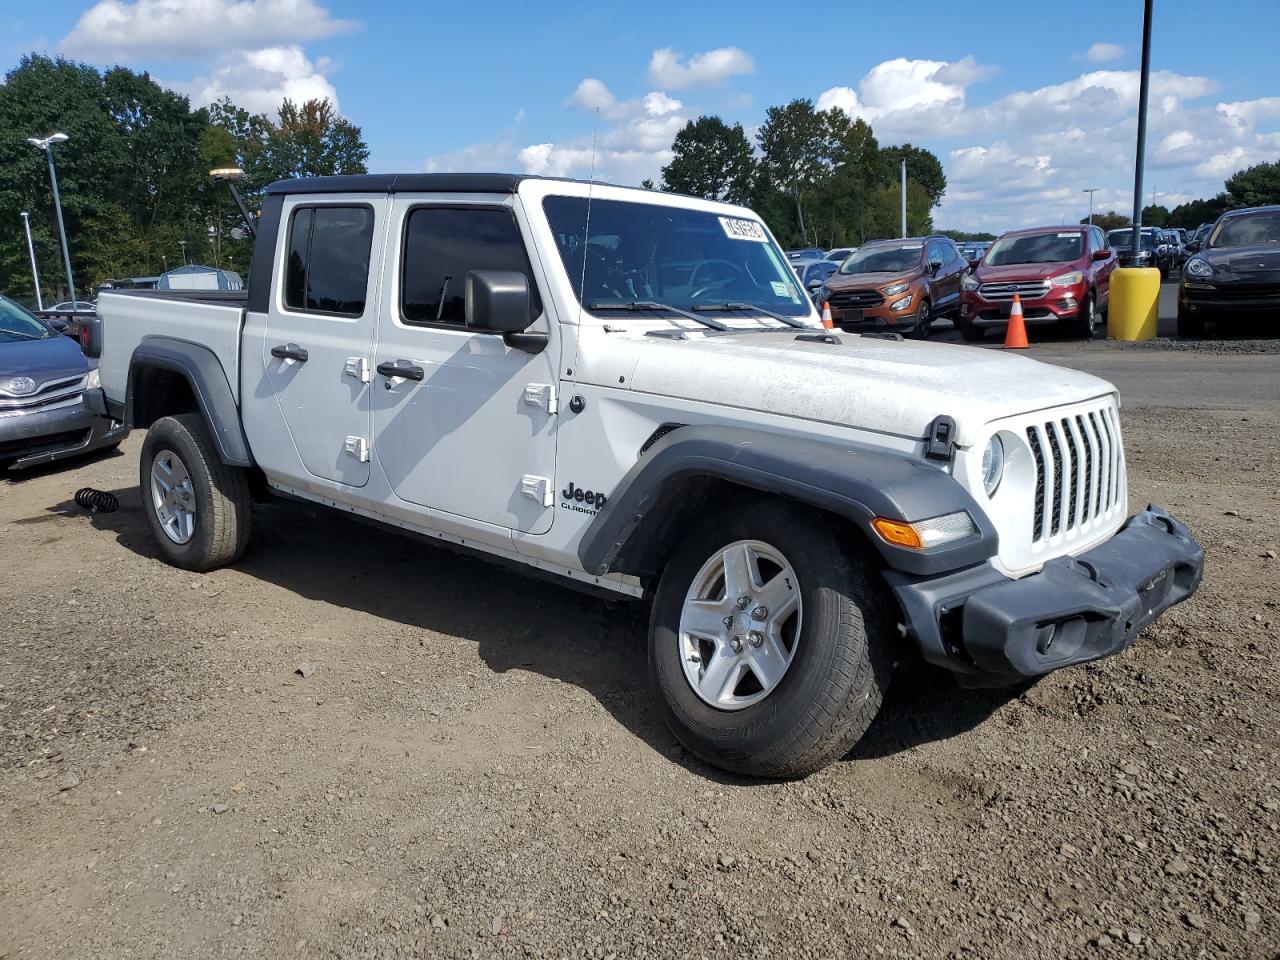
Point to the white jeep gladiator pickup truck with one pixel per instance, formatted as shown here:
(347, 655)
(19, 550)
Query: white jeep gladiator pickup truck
(629, 389)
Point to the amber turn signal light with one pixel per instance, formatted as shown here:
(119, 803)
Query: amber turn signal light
(898, 533)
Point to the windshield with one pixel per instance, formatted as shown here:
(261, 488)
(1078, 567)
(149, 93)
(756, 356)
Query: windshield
(1123, 240)
(884, 259)
(17, 324)
(671, 255)
(1052, 247)
(1247, 230)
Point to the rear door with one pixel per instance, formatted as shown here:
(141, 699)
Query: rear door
(469, 429)
(319, 331)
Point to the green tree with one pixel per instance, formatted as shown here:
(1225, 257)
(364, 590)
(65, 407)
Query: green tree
(1154, 215)
(963, 236)
(798, 146)
(1195, 212)
(710, 159)
(1109, 220)
(922, 166)
(1254, 186)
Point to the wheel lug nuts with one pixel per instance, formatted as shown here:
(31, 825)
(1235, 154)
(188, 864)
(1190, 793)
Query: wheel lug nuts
(757, 638)
(743, 602)
(728, 621)
(759, 613)
(736, 643)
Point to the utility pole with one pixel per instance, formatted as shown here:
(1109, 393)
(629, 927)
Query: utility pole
(904, 194)
(1142, 129)
(1091, 191)
(46, 144)
(31, 249)
(183, 245)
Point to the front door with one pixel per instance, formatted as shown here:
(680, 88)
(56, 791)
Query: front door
(463, 424)
(319, 333)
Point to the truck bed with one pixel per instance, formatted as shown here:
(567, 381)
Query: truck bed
(211, 318)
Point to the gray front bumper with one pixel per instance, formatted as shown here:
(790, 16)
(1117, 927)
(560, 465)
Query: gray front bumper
(993, 630)
(39, 436)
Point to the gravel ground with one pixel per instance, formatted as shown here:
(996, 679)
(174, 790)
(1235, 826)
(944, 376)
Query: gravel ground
(469, 762)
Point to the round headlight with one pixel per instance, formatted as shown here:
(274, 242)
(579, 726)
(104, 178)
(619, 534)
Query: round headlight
(992, 465)
(1198, 268)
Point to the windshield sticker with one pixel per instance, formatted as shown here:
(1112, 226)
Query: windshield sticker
(781, 289)
(738, 229)
(1067, 236)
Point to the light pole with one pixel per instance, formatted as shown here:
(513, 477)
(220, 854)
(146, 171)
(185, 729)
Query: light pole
(1091, 191)
(46, 145)
(31, 249)
(1144, 82)
(904, 194)
(183, 245)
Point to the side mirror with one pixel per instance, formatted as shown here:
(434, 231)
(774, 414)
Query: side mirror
(814, 284)
(1101, 254)
(1193, 246)
(973, 264)
(935, 266)
(497, 301)
(59, 325)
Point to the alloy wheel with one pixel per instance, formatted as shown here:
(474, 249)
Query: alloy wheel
(172, 496)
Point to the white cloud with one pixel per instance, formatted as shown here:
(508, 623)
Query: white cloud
(117, 30)
(1245, 114)
(669, 71)
(260, 80)
(1104, 52)
(591, 94)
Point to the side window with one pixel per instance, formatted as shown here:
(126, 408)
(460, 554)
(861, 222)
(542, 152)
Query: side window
(936, 253)
(328, 261)
(442, 244)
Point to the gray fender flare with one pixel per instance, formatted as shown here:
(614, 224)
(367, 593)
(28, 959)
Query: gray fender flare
(856, 481)
(200, 367)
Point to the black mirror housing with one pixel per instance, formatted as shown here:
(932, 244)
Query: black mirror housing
(497, 301)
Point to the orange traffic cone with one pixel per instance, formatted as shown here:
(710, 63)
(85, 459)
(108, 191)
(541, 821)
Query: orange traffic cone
(826, 316)
(1015, 337)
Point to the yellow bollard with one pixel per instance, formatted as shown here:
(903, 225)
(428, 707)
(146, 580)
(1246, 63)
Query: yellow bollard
(1134, 304)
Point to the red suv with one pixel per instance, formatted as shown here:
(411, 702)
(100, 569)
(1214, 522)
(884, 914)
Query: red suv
(1061, 274)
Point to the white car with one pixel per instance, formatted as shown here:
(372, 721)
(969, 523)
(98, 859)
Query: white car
(629, 390)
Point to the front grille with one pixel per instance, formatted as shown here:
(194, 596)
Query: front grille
(855, 299)
(1079, 470)
(47, 392)
(1028, 290)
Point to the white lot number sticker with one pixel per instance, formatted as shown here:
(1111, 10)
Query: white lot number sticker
(738, 229)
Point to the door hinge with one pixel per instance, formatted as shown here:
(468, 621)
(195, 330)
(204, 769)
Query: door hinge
(537, 489)
(541, 395)
(357, 367)
(357, 447)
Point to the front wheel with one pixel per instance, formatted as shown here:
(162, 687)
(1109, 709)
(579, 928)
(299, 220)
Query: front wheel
(197, 507)
(769, 641)
(1190, 324)
(924, 322)
(1086, 324)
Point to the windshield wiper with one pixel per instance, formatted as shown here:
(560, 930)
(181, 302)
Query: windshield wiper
(24, 336)
(726, 307)
(639, 305)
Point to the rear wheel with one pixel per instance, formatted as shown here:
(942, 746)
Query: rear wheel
(197, 506)
(769, 641)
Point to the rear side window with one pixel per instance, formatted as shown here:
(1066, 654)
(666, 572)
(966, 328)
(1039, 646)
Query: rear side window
(328, 265)
(443, 244)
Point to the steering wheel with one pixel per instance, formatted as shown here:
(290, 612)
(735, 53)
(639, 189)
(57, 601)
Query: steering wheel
(693, 274)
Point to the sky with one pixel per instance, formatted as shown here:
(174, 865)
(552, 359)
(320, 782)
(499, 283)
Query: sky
(1027, 104)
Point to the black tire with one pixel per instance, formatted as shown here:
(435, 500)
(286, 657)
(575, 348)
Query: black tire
(220, 494)
(1086, 324)
(1190, 324)
(970, 332)
(924, 322)
(841, 662)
